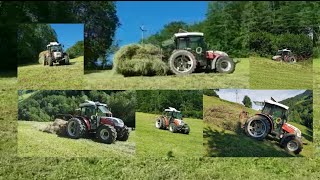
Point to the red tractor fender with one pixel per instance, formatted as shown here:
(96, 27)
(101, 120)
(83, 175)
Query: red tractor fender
(269, 120)
(288, 129)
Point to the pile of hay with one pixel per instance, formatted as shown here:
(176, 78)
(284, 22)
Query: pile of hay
(57, 127)
(41, 56)
(139, 60)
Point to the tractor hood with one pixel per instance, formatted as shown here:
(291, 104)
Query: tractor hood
(57, 54)
(179, 122)
(221, 53)
(291, 129)
(112, 121)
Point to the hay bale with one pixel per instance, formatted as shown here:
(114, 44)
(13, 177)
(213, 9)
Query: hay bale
(57, 127)
(41, 56)
(137, 60)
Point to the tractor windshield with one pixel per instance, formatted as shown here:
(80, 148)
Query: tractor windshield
(177, 115)
(274, 111)
(103, 111)
(196, 41)
(55, 48)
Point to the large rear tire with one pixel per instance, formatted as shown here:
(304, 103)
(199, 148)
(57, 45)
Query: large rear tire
(66, 60)
(106, 134)
(76, 128)
(124, 136)
(50, 62)
(182, 62)
(225, 65)
(257, 127)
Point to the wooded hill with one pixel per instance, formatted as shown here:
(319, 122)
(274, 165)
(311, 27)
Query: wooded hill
(301, 108)
(189, 102)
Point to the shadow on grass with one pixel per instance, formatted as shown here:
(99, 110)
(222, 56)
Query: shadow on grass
(309, 135)
(223, 144)
(8, 73)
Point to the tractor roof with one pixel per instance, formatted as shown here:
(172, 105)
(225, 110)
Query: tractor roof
(284, 50)
(91, 103)
(171, 109)
(185, 34)
(277, 104)
(53, 44)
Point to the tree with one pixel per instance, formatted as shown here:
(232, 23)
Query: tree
(247, 101)
(76, 50)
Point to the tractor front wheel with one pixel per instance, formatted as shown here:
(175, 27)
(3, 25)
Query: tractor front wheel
(225, 65)
(106, 134)
(182, 62)
(257, 127)
(292, 144)
(76, 128)
(124, 136)
(186, 129)
(172, 128)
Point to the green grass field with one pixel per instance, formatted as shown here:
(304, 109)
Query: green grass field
(108, 79)
(228, 143)
(55, 77)
(268, 74)
(154, 142)
(137, 167)
(316, 104)
(34, 143)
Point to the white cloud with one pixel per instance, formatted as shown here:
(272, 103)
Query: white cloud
(257, 95)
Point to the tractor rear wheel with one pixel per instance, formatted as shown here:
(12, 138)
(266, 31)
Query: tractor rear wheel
(106, 134)
(292, 144)
(225, 65)
(182, 62)
(76, 128)
(124, 136)
(50, 62)
(172, 128)
(257, 127)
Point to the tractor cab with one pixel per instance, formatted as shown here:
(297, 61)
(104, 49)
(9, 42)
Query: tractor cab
(173, 114)
(277, 112)
(90, 108)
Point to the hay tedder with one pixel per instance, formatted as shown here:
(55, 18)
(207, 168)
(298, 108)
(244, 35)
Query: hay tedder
(272, 120)
(187, 51)
(172, 119)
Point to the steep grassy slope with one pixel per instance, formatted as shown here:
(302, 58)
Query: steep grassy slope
(268, 74)
(108, 79)
(56, 77)
(154, 142)
(224, 137)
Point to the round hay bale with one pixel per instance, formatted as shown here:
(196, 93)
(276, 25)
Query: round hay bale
(41, 56)
(139, 60)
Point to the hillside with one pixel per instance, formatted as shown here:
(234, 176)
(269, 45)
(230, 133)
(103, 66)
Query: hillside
(153, 142)
(268, 74)
(301, 108)
(223, 137)
(38, 76)
(34, 143)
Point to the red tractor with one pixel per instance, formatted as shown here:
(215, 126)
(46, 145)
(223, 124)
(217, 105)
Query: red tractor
(285, 55)
(187, 51)
(172, 119)
(272, 120)
(95, 118)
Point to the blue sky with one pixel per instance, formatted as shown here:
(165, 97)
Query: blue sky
(257, 95)
(154, 15)
(69, 34)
